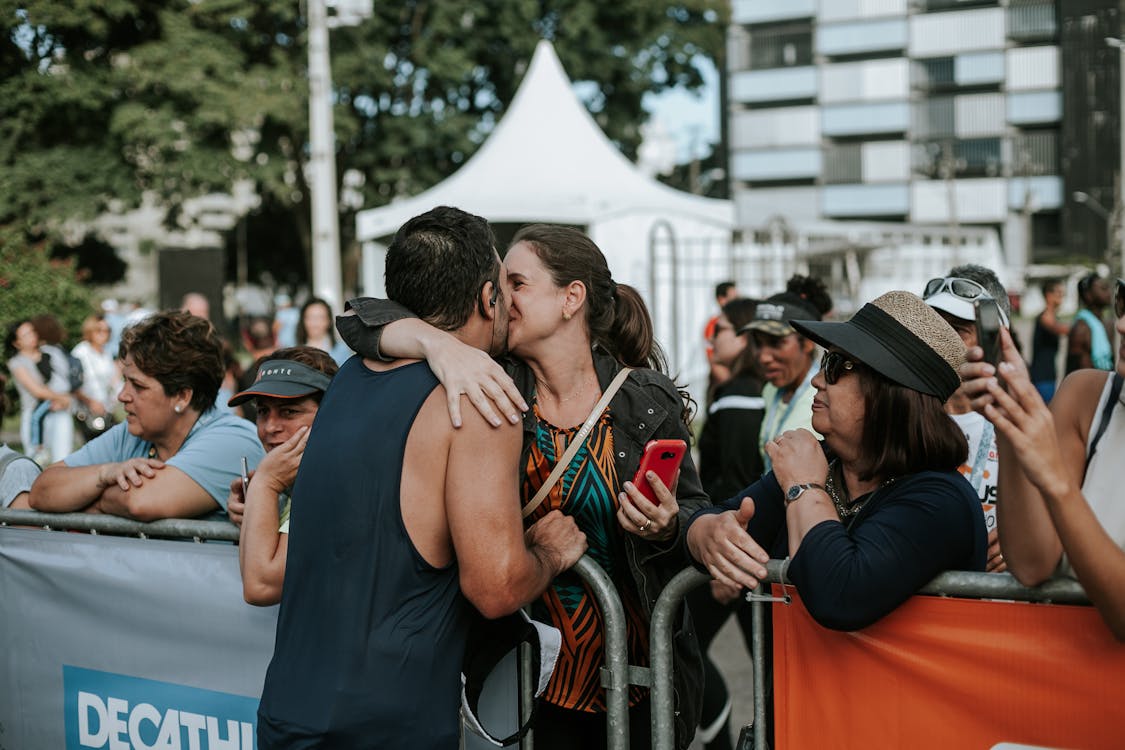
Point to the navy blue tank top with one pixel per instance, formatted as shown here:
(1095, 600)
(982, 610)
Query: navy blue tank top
(370, 637)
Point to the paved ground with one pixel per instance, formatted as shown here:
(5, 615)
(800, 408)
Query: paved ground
(729, 653)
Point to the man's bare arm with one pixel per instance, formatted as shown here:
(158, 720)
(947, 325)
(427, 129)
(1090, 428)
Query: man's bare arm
(501, 568)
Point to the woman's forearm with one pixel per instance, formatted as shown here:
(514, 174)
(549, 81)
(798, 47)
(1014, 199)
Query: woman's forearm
(262, 547)
(1028, 539)
(61, 488)
(1098, 561)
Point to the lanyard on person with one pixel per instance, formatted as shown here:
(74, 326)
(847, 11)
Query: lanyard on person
(773, 424)
(976, 478)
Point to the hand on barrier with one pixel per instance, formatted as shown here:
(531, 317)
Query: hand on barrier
(129, 473)
(466, 370)
(557, 537)
(996, 562)
(640, 517)
(724, 593)
(720, 541)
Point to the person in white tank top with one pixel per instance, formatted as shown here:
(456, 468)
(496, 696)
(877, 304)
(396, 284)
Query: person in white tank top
(1062, 509)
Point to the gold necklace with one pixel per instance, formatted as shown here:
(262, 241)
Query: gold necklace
(846, 508)
(563, 399)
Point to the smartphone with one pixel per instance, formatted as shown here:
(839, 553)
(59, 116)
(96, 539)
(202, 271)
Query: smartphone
(663, 457)
(988, 328)
(245, 477)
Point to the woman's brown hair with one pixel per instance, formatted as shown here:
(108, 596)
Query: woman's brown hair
(905, 431)
(180, 351)
(616, 314)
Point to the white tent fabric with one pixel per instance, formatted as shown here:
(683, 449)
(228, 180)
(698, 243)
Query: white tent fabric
(547, 160)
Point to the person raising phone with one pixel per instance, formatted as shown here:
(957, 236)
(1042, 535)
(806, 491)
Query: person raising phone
(571, 331)
(953, 297)
(1061, 509)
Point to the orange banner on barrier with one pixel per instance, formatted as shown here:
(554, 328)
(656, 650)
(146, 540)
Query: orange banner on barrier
(949, 673)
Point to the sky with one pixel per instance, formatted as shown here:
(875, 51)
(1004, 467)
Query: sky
(689, 117)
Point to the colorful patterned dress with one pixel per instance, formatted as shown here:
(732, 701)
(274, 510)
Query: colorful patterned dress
(587, 491)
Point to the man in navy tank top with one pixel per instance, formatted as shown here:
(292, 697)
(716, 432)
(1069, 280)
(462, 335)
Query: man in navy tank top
(400, 522)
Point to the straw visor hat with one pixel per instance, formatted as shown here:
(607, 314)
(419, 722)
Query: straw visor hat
(900, 337)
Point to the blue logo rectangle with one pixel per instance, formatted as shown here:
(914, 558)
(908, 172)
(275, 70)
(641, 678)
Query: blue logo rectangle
(119, 712)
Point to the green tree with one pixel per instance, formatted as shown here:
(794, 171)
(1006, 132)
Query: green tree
(105, 101)
(31, 282)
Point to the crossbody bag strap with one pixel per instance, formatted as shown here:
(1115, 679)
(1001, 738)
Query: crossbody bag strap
(1107, 412)
(576, 443)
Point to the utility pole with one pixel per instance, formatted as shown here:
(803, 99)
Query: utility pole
(322, 143)
(1119, 205)
(322, 162)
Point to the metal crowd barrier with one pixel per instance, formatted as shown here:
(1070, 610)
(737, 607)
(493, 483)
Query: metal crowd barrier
(617, 674)
(168, 528)
(960, 584)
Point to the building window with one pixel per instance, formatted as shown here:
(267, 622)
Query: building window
(1035, 152)
(1032, 20)
(932, 5)
(934, 74)
(781, 46)
(843, 164)
(970, 157)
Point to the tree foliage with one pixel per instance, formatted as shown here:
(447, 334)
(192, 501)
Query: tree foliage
(31, 283)
(105, 101)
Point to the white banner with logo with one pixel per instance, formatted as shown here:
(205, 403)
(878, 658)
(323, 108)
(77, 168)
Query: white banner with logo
(127, 643)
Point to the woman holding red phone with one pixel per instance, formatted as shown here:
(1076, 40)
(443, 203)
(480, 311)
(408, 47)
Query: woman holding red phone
(571, 331)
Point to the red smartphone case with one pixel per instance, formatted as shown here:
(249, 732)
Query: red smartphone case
(662, 457)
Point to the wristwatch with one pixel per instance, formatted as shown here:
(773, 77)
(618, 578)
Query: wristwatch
(797, 490)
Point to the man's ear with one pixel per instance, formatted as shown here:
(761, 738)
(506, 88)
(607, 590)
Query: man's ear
(486, 301)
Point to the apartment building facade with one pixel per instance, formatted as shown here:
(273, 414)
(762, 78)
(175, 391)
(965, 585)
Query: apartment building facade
(989, 113)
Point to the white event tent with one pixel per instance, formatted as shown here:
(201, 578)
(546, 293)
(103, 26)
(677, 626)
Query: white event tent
(548, 161)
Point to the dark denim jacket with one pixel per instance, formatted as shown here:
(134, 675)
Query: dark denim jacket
(647, 407)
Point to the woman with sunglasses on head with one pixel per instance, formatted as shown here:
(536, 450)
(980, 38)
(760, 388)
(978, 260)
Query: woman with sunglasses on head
(1061, 509)
(879, 509)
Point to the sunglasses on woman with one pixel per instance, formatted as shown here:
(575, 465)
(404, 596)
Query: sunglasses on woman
(833, 365)
(963, 288)
(1119, 299)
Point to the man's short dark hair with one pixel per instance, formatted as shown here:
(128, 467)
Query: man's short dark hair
(1049, 285)
(987, 278)
(723, 288)
(437, 264)
(1085, 284)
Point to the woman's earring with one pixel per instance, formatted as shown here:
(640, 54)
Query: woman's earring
(177, 408)
(566, 315)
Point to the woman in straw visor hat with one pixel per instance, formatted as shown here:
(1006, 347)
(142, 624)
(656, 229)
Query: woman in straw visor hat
(878, 509)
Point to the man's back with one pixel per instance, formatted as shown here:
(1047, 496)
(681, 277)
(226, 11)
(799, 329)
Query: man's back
(370, 635)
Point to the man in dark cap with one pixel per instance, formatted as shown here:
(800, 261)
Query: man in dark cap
(788, 362)
(287, 390)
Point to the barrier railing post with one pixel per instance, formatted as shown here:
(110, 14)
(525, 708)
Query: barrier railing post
(527, 695)
(615, 674)
(758, 659)
(661, 631)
